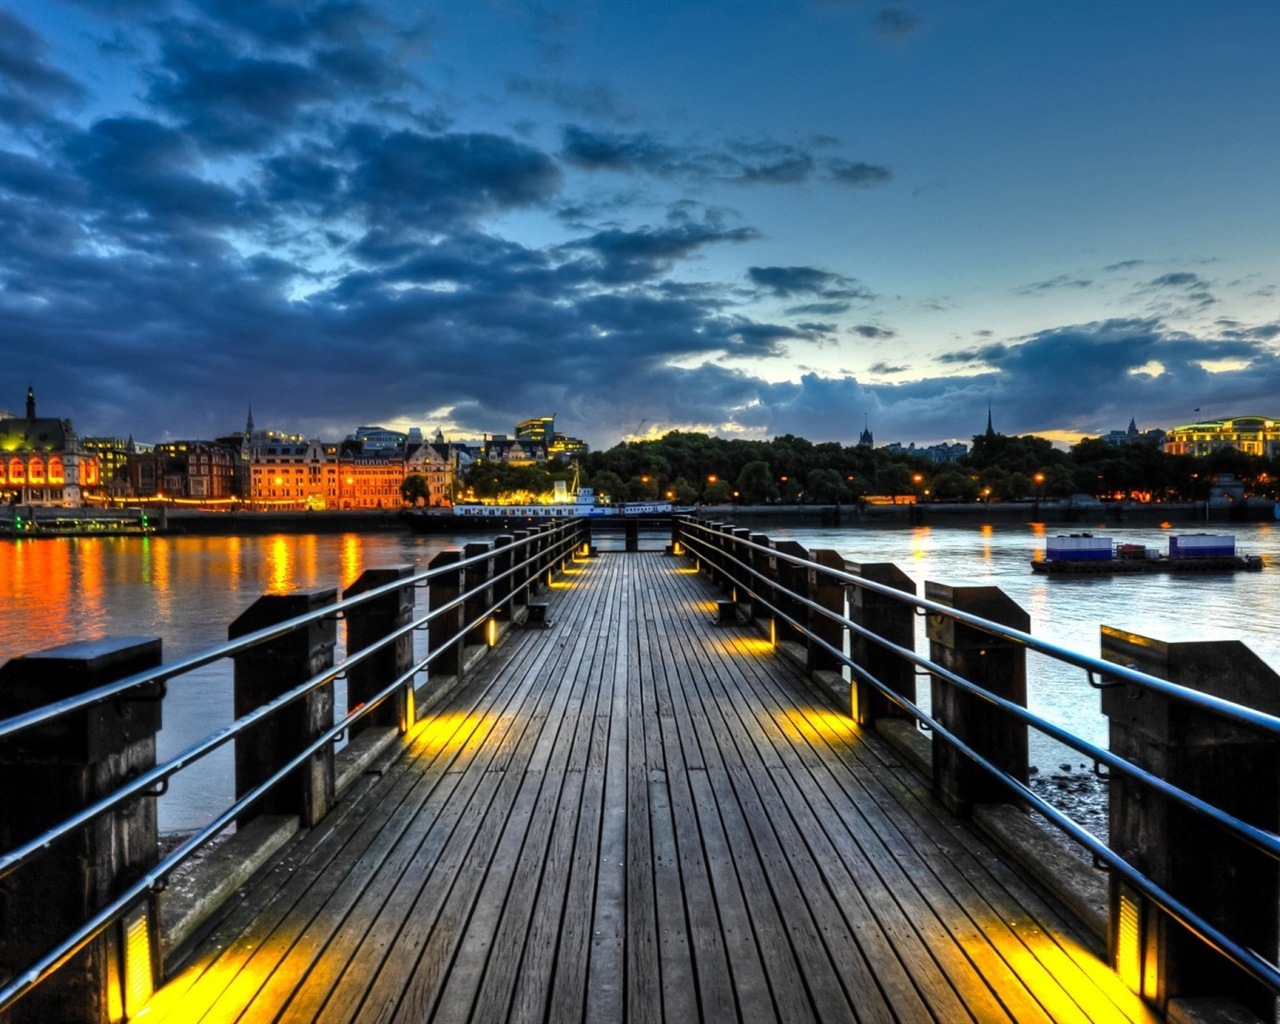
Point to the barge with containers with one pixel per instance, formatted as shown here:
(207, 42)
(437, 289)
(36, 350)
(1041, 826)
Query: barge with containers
(1083, 554)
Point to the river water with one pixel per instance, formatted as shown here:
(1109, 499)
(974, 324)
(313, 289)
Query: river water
(189, 589)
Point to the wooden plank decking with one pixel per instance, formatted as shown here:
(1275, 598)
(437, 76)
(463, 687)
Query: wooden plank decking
(637, 815)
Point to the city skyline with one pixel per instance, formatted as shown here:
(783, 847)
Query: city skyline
(749, 219)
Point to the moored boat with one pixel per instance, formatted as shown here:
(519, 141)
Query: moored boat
(1083, 554)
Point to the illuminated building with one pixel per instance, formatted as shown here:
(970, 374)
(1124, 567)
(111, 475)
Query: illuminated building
(319, 475)
(42, 461)
(1253, 435)
(189, 470)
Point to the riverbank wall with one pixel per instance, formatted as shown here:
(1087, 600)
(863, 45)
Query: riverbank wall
(1181, 514)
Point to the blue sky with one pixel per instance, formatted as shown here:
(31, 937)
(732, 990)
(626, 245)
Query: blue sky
(750, 218)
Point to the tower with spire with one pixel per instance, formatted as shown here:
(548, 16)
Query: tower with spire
(865, 440)
(991, 431)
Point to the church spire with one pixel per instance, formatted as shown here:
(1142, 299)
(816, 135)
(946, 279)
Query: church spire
(31, 404)
(248, 424)
(991, 432)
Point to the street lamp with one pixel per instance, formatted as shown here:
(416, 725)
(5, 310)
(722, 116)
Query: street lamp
(1039, 482)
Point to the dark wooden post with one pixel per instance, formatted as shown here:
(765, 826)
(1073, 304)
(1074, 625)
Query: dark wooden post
(520, 581)
(50, 772)
(791, 579)
(1227, 765)
(895, 621)
(480, 596)
(737, 574)
(829, 592)
(997, 665)
(759, 580)
(442, 631)
(263, 673)
(368, 623)
(502, 584)
(633, 535)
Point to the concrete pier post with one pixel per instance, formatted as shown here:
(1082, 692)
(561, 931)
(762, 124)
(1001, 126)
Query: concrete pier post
(367, 624)
(50, 772)
(265, 672)
(895, 621)
(443, 639)
(997, 665)
(1228, 765)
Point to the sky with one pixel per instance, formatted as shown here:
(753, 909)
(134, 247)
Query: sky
(749, 218)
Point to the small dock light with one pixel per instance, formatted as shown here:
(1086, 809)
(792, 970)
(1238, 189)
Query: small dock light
(139, 965)
(491, 632)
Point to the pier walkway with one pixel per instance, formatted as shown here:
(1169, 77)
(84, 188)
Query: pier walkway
(638, 815)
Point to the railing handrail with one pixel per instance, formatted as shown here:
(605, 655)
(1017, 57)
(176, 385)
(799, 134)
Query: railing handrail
(1093, 666)
(1247, 959)
(563, 538)
(180, 666)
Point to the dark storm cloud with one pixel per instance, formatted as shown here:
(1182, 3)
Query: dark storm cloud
(738, 163)
(819, 309)
(590, 100)
(232, 99)
(857, 175)
(872, 331)
(1124, 265)
(886, 369)
(894, 23)
(440, 181)
(293, 25)
(785, 282)
(1181, 279)
(30, 87)
(625, 257)
(1055, 283)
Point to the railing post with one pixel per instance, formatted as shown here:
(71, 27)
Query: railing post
(737, 548)
(479, 596)
(829, 593)
(895, 621)
(443, 638)
(263, 673)
(1215, 874)
(761, 575)
(790, 579)
(368, 623)
(519, 581)
(997, 665)
(50, 772)
(633, 535)
(502, 582)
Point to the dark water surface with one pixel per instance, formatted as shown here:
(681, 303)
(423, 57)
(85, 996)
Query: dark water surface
(189, 589)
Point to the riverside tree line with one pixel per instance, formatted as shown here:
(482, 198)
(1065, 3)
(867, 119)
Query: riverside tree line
(688, 468)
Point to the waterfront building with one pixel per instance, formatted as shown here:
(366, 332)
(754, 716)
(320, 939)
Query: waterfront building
(42, 461)
(1253, 435)
(946, 452)
(542, 431)
(324, 476)
(513, 450)
(1133, 435)
(203, 472)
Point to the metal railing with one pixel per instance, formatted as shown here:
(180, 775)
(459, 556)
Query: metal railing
(533, 556)
(755, 569)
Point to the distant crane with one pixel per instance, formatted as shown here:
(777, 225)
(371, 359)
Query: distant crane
(636, 435)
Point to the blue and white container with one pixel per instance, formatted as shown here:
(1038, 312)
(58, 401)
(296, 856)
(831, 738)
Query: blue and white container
(1202, 545)
(1078, 547)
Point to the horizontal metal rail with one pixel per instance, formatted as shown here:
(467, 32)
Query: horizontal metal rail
(1264, 970)
(563, 540)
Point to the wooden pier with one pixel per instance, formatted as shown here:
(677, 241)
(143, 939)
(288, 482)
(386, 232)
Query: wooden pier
(639, 815)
